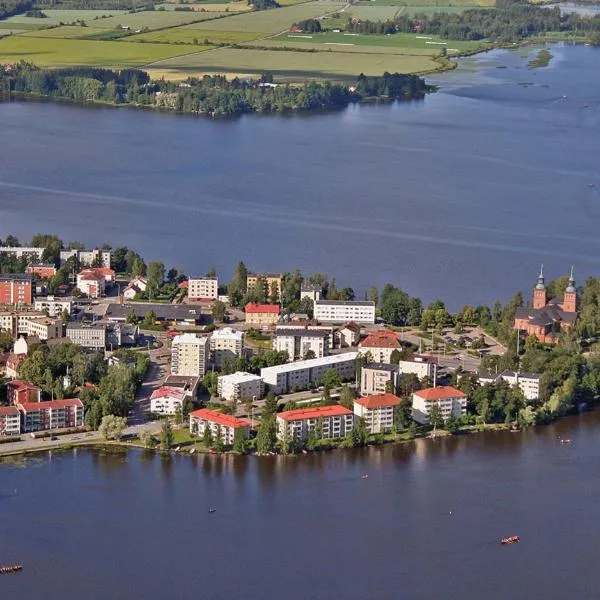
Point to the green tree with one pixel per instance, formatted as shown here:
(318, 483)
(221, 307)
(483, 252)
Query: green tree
(131, 317)
(117, 390)
(452, 424)
(266, 437)
(112, 427)
(347, 397)
(207, 438)
(156, 273)
(148, 439)
(210, 382)
(360, 435)
(435, 416)
(331, 379)
(240, 442)
(270, 407)
(166, 434)
(218, 311)
(218, 444)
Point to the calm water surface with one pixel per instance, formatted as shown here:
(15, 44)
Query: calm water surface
(425, 524)
(461, 195)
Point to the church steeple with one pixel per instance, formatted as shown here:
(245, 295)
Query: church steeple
(539, 292)
(570, 298)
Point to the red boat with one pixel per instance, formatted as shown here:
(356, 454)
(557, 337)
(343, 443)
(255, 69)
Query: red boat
(513, 539)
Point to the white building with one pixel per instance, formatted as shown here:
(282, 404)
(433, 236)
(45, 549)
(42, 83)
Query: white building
(334, 421)
(377, 411)
(529, 383)
(10, 421)
(16, 321)
(378, 378)
(53, 305)
(167, 401)
(218, 424)
(189, 355)
(305, 373)
(310, 290)
(91, 284)
(340, 311)
(32, 254)
(134, 287)
(380, 345)
(203, 288)
(298, 342)
(240, 386)
(347, 335)
(87, 257)
(226, 344)
(449, 399)
(420, 365)
(44, 327)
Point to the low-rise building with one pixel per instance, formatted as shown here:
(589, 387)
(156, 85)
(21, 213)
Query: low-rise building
(377, 411)
(10, 421)
(240, 386)
(420, 365)
(226, 344)
(176, 314)
(218, 424)
(380, 345)
(45, 328)
(203, 288)
(87, 257)
(378, 378)
(53, 414)
(92, 284)
(22, 392)
(270, 281)
(342, 311)
(324, 421)
(301, 343)
(168, 401)
(16, 321)
(309, 290)
(102, 335)
(261, 314)
(42, 270)
(450, 400)
(16, 288)
(305, 373)
(347, 335)
(53, 305)
(528, 383)
(136, 286)
(190, 355)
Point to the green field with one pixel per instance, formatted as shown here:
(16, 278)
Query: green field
(187, 35)
(66, 31)
(56, 17)
(423, 3)
(49, 52)
(207, 5)
(158, 19)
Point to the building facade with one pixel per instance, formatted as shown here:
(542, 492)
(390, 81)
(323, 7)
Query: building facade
(378, 411)
(53, 305)
(380, 345)
(226, 344)
(16, 321)
(270, 281)
(167, 401)
(421, 365)
(53, 414)
(16, 289)
(528, 383)
(203, 288)
(189, 355)
(309, 290)
(378, 378)
(10, 421)
(91, 284)
(340, 311)
(87, 257)
(302, 343)
(44, 327)
(450, 401)
(261, 314)
(42, 270)
(323, 421)
(240, 387)
(92, 336)
(22, 392)
(218, 424)
(31, 254)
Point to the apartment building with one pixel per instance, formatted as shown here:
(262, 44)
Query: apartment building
(44, 328)
(528, 383)
(134, 287)
(309, 290)
(270, 282)
(189, 355)
(203, 288)
(324, 421)
(225, 344)
(380, 345)
(302, 342)
(377, 411)
(341, 311)
(17, 289)
(22, 392)
(261, 314)
(42, 270)
(168, 400)
(420, 365)
(450, 400)
(31, 254)
(218, 424)
(306, 373)
(87, 257)
(53, 305)
(15, 321)
(378, 378)
(240, 386)
(90, 283)
(53, 414)
(347, 335)
(10, 421)
(92, 336)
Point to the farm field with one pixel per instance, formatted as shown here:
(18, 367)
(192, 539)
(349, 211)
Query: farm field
(210, 5)
(436, 3)
(187, 35)
(56, 17)
(158, 19)
(50, 52)
(66, 31)
(371, 13)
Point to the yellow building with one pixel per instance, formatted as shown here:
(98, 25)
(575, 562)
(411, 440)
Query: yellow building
(262, 314)
(270, 280)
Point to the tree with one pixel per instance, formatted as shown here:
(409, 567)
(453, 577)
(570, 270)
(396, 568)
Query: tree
(207, 438)
(131, 317)
(360, 435)
(149, 319)
(148, 439)
(166, 434)
(270, 407)
(266, 437)
(156, 273)
(240, 441)
(373, 295)
(452, 424)
(117, 390)
(331, 379)
(210, 382)
(112, 427)
(6, 341)
(274, 293)
(309, 354)
(435, 416)
(218, 311)
(218, 444)
(65, 316)
(347, 397)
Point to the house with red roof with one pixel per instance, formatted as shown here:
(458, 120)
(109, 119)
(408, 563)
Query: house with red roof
(218, 423)
(168, 400)
(325, 421)
(262, 314)
(53, 414)
(377, 411)
(380, 345)
(19, 392)
(10, 421)
(93, 281)
(450, 400)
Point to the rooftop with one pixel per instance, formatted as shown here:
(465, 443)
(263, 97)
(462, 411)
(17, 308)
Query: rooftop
(302, 331)
(165, 392)
(381, 367)
(521, 375)
(307, 364)
(240, 377)
(344, 303)
(420, 358)
(19, 384)
(8, 410)
(378, 401)
(53, 404)
(337, 410)
(189, 338)
(381, 339)
(201, 278)
(163, 312)
(252, 307)
(227, 333)
(219, 418)
(441, 392)
(16, 277)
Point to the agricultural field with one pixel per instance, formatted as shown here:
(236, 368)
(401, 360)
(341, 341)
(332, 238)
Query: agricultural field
(153, 19)
(437, 3)
(187, 35)
(56, 17)
(209, 5)
(51, 52)
(370, 13)
(66, 31)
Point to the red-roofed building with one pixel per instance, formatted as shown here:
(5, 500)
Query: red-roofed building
(262, 314)
(93, 281)
(45, 271)
(167, 400)
(53, 414)
(19, 392)
(10, 421)
(380, 346)
(218, 424)
(377, 411)
(450, 400)
(325, 421)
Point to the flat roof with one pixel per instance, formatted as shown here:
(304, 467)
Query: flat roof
(301, 331)
(311, 363)
(344, 303)
(167, 312)
(240, 377)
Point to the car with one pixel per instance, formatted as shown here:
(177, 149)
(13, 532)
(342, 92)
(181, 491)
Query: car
(53, 438)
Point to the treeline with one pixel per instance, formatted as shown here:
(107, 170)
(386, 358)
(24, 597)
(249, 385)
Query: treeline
(96, 4)
(508, 22)
(212, 95)
(8, 8)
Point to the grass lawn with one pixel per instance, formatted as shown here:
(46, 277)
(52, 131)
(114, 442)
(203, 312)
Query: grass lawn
(56, 17)
(158, 19)
(49, 52)
(11, 31)
(187, 35)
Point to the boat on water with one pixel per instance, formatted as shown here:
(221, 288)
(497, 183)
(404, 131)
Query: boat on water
(212, 510)
(365, 476)
(513, 539)
(565, 441)
(10, 569)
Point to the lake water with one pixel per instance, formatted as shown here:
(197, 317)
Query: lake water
(425, 524)
(459, 196)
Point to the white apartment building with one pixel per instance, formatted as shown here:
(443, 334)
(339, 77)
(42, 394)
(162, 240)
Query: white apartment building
(33, 254)
(298, 342)
(340, 311)
(377, 411)
(240, 386)
(529, 383)
(167, 400)
(10, 421)
(218, 424)
(325, 421)
(44, 327)
(93, 285)
(420, 365)
(134, 287)
(189, 355)
(92, 336)
(203, 288)
(310, 290)
(53, 305)
(226, 344)
(378, 378)
(305, 373)
(87, 257)
(380, 345)
(16, 321)
(449, 399)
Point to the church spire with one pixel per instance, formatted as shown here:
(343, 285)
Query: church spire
(571, 286)
(541, 284)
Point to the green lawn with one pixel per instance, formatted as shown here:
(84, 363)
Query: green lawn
(56, 17)
(439, 3)
(187, 35)
(66, 31)
(158, 19)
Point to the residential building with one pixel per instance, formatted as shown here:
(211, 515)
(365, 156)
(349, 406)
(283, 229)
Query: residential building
(87, 257)
(380, 345)
(310, 290)
(218, 424)
(324, 421)
(225, 344)
(528, 383)
(421, 365)
(22, 392)
(102, 335)
(377, 411)
(17, 289)
(168, 401)
(42, 270)
(32, 254)
(90, 283)
(240, 386)
(53, 305)
(377, 378)
(546, 319)
(16, 321)
(302, 343)
(271, 282)
(10, 421)
(53, 414)
(187, 384)
(13, 364)
(450, 400)
(44, 328)
(308, 324)
(305, 373)
(189, 355)
(341, 311)
(176, 314)
(203, 288)
(261, 314)
(136, 286)
(347, 335)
